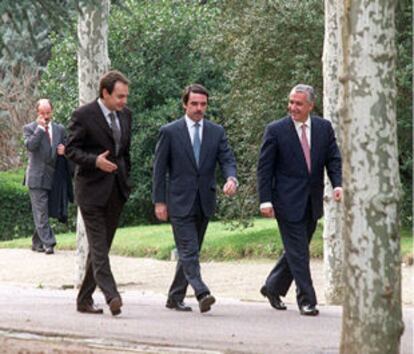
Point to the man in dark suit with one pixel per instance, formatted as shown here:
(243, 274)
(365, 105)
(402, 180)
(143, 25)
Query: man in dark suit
(98, 143)
(294, 154)
(184, 189)
(44, 141)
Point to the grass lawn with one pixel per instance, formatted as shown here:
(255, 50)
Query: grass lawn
(221, 243)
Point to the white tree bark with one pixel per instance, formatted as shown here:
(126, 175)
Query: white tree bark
(372, 319)
(332, 232)
(93, 62)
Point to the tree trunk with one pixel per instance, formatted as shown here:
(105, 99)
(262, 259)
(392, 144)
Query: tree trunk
(332, 232)
(372, 318)
(93, 62)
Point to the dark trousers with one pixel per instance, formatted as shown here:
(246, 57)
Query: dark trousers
(100, 224)
(294, 262)
(188, 235)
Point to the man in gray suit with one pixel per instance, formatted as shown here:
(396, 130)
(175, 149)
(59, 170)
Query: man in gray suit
(44, 140)
(184, 189)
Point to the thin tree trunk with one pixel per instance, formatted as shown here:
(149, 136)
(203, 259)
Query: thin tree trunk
(372, 318)
(332, 232)
(93, 62)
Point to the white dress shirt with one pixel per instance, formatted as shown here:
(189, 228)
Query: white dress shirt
(191, 128)
(50, 129)
(106, 113)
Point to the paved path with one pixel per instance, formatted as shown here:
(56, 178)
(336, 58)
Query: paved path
(238, 280)
(36, 313)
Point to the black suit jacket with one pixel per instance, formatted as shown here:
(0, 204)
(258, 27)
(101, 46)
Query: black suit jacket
(176, 177)
(89, 136)
(283, 177)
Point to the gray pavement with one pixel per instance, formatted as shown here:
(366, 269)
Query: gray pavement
(34, 309)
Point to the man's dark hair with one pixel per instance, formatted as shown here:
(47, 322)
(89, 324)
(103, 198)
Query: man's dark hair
(194, 88)
(109, 80)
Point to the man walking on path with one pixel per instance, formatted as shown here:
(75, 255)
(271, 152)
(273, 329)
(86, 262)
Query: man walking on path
(293, 157)
(44, 141)
(184, 189)
(99, 142)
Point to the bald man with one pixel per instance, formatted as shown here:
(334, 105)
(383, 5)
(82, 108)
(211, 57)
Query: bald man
(44, 140)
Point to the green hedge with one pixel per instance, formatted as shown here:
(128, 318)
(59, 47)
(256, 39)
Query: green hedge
(16, 214)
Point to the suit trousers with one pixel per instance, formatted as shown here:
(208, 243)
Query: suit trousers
(294, 262)
(100, 224)
(43, 235)
(188, 235)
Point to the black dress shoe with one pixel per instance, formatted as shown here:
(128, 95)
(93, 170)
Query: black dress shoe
(274, 300)
(49, 250)
(115, 305)
(177, 305)
(38, 248)
(89, 308)
(205, 302)
(308, 310)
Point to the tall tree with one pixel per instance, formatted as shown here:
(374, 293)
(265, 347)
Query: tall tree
(93, 62)
(372, 316)
(332, 232)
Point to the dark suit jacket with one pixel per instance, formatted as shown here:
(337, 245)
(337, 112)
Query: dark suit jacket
(89, 136)
(62, 192)
(176, 177)
(283, 177)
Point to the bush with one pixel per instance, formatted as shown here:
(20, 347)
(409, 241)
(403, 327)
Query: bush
(16, 218)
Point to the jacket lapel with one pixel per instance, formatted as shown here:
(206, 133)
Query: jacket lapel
(55, 139)
(315, 142)
(186, 140)
(101, 122)
(122, 123)
(205, 141)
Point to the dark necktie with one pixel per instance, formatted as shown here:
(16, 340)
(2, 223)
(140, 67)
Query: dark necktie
(196, 142)
(47, 134)
(305, 147)
(116, 132)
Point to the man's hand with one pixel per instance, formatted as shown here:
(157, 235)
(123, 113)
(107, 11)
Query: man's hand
(41, 121)
(104, 164)
(60, 149)
(337, 194)
(161, 211)
(267, 212)
(230, 188)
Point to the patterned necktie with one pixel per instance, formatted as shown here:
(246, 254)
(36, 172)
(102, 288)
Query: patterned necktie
(305, 147)
(47, 134)
(116, 132)
(196, 142)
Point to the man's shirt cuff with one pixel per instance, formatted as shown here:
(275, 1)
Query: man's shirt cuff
(266, 205)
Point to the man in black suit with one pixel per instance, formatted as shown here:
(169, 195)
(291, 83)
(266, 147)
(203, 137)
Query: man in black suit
(294, 154)
(99, 142)
(184, 189)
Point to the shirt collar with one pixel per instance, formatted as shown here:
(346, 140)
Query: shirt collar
(104, 109)
(298, 125)
(190, 123)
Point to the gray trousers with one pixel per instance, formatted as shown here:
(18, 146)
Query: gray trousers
(44, 235)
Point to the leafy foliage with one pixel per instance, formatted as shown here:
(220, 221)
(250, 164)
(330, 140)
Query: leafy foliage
(404, 79)
(270, 47)
(249, 54)
(15, 212)
(153, 43)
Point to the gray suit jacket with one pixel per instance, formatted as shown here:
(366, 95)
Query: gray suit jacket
(176, 177)
(42, 154)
